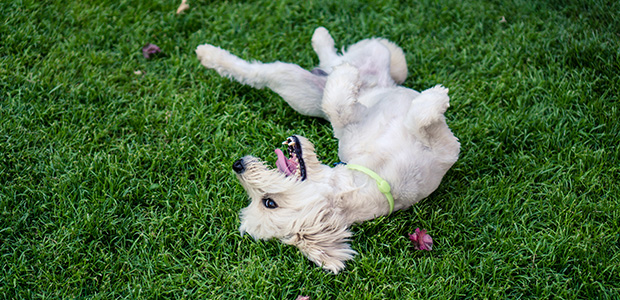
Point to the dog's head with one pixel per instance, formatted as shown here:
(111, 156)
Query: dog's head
(295, 203)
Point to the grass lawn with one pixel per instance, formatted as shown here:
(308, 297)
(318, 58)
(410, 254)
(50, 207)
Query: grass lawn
(118, 185)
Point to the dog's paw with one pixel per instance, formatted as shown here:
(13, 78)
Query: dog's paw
(340, 91)
(437, 97)
(211, 56)
(321, 39)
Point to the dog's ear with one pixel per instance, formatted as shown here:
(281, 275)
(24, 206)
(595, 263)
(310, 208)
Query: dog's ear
(327, 245)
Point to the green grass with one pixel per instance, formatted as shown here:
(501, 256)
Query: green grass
(117, 185)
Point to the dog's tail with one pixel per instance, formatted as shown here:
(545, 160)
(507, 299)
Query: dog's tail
(398, 63)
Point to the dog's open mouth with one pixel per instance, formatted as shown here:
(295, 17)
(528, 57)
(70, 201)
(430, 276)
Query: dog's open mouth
(294, 164)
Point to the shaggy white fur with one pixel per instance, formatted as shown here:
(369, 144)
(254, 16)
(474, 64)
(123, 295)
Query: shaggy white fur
(397, 132)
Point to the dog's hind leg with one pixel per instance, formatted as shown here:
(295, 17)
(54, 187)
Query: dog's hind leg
(301, 89)
(323, 45)
(340, 97)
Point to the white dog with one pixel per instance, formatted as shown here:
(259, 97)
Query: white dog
(394, 141)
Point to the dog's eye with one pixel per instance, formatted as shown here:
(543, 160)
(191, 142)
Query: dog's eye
(269, 203)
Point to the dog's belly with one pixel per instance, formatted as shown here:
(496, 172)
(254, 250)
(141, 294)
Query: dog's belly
(370, 98)
(380, 131)
(381, 128)
(382, 143)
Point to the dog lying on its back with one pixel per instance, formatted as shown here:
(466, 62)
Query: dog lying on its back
(394, 140)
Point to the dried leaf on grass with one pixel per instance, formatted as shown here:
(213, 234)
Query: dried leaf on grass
(183, 7)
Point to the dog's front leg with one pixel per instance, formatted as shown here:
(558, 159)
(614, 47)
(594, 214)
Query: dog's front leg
(301, 89)
(427, 110)
(340, 97)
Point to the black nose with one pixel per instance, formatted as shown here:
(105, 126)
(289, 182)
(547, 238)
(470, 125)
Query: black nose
(238, 166)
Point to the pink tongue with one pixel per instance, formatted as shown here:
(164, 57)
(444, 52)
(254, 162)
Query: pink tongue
(284, 164)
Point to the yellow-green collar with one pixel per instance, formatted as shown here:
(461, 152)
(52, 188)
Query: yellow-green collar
(384, 186)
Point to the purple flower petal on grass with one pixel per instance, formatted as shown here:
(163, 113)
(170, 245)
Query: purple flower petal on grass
(149, 50)
(421, 240)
